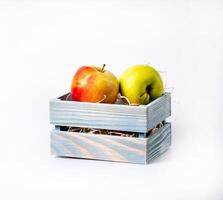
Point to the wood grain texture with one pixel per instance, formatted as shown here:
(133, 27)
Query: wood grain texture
(112, 148)
(158, 143)
(91, 146)
(158, 110)
(109, 116)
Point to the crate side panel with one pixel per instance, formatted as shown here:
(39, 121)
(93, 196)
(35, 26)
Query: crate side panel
(100, 147)
(159, 143)
(158, 110)
(102, 116)
(160, 151)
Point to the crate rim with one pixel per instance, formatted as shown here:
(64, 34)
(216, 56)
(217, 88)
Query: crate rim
(57, 99)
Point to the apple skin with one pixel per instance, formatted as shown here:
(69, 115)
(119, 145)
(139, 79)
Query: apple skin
(94, 84)
(141, 84)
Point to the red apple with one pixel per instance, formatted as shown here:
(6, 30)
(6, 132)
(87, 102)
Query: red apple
(94, 84)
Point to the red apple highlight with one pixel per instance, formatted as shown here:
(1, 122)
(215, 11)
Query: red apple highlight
(94, 84)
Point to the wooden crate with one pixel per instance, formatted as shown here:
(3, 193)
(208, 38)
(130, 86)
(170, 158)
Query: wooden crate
(118, 117)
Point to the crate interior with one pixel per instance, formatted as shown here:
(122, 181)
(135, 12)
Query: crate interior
(110, 132)
(122, 101)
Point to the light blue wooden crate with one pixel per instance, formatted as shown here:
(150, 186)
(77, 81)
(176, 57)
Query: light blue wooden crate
(110, 116)
(111, 148)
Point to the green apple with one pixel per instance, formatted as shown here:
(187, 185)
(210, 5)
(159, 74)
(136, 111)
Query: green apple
(141, 84)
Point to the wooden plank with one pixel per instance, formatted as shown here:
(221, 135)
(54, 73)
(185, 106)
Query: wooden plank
(112, 148)
(104, 116)
(158, 110)
(160, 150)
(159, 143)
(109, 116)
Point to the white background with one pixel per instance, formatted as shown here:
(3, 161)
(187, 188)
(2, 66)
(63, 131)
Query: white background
(42, 43)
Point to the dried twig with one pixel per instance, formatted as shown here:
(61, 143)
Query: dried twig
(102, 99)
(68, 97)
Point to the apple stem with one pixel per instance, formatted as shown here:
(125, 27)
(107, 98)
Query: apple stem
(103, 67)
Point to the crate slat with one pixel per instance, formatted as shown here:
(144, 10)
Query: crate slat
(112, 148)
(109, 116)
(159, 143)
(158, 110)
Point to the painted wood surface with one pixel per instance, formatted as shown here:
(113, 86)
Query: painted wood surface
(109, 116)
(158, 110)
(112, 148)
(158, 143)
